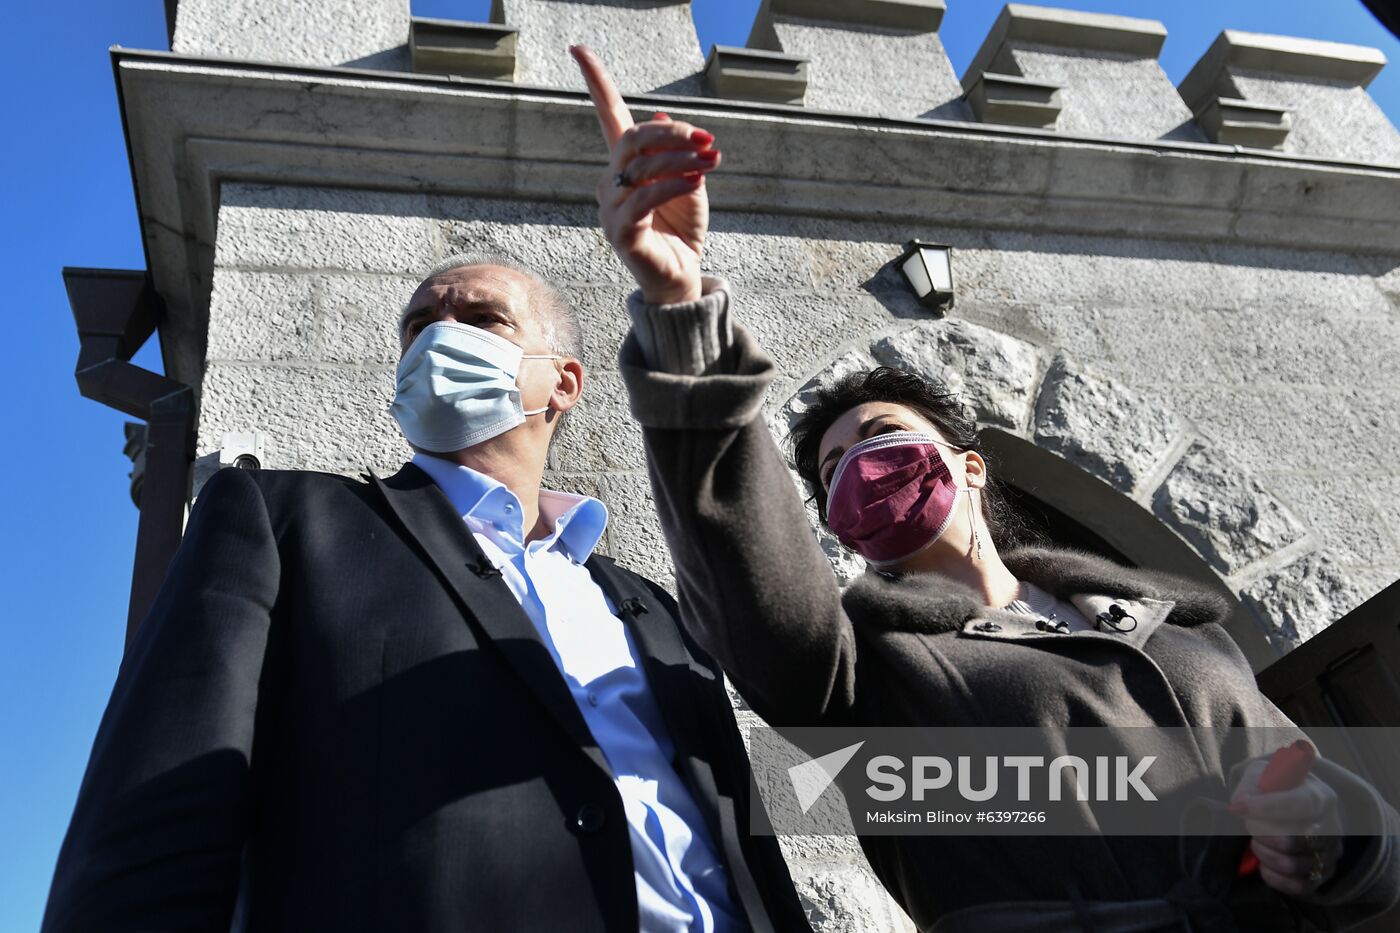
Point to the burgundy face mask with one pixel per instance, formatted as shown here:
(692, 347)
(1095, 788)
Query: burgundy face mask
(891, 496)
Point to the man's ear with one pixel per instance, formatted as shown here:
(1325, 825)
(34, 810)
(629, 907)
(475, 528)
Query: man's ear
(569, 387)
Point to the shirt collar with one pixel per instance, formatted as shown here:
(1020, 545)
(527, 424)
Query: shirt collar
(578, 521)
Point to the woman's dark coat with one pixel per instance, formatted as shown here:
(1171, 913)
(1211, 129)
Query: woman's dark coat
(757, 592)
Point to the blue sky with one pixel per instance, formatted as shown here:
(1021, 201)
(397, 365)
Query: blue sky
(69, 526)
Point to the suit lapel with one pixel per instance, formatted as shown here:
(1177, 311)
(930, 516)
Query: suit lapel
(676, 678)
(431, 520)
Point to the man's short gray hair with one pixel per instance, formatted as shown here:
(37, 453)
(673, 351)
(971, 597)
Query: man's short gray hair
(558, 320)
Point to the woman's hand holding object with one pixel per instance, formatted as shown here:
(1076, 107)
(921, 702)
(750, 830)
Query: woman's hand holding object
(1296, 830)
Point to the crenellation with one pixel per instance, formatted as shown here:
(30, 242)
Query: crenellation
(1319, 86)
(650, 45)
(880, 57)
(350, 33)
(1104, 67)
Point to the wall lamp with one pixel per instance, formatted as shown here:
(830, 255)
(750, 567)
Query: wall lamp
(928, 268)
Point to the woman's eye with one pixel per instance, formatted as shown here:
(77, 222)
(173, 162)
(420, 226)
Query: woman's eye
(887, 428)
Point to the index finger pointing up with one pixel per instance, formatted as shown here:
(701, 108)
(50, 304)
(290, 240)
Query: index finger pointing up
(613, 115)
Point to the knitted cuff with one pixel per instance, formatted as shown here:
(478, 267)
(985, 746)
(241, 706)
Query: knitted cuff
(695, 338)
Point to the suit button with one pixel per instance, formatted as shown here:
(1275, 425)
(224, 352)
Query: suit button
(590, 818)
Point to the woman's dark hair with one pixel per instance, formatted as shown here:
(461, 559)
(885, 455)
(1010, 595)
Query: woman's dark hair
(926, 397)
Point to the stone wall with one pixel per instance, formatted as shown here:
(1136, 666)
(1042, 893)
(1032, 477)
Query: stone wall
(1235, 400)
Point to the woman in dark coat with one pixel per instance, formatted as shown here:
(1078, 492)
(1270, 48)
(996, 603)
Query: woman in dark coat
(944, 630)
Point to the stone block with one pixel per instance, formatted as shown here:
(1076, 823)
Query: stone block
(358, 34)
(1208, 347)
(1234, 122)
(599, 434)
(752, 74)
(1101, 425)
(849, 264)
(1071, 328)
(603, 323)
(357, 316)
(648, 45)
(261, 316)
(800, 330)
(744, 250)
(279, 228)
(561, 242)
(635, 539)
(1298, 427)
(472, 50)
(1347, 511)
(1154, 277)
(1299, 600)
(859, 67)
(306, 317)
(1015, 101)
(1223, 512)
(995, 374)
(334, 419)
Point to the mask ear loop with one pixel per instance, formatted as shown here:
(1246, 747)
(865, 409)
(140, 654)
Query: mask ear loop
(538, 356)
(972, 519)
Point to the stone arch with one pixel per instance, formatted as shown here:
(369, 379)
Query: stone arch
(1121, 463)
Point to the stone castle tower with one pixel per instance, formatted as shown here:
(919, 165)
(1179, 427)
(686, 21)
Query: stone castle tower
(1177, 308)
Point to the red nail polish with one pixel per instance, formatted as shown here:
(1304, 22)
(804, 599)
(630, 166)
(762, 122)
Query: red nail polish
(709, 155)
(660, 115)
(701, 137)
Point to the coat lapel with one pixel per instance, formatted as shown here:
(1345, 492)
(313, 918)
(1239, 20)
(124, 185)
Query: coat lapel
(677, 679)
(432, 521)
(670, 668)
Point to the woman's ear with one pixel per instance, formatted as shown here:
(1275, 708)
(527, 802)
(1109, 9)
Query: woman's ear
(975, 469)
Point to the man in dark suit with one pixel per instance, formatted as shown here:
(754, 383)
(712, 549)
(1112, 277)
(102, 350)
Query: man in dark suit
(421, 703)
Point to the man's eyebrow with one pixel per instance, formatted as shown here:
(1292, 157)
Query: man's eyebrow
(485, 304)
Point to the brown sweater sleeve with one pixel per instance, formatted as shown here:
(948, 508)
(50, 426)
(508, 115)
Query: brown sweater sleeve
(754, 588)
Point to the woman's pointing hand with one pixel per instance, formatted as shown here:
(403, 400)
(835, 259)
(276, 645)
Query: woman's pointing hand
(651, 201)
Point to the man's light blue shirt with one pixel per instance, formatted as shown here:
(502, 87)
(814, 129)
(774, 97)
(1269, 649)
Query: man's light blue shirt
(682, 884)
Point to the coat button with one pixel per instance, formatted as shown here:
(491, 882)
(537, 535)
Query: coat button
(590, 818)
(987, 627)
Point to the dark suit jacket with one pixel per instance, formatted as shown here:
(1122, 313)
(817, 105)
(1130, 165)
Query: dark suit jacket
(337, 717)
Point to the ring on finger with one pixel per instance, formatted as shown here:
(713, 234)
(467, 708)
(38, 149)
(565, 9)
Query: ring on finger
(622, 181)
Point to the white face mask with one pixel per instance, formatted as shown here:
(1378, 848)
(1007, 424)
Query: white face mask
(456, 387)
